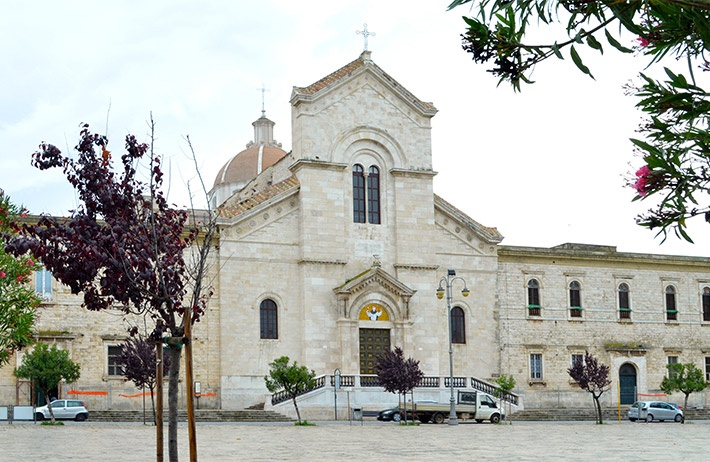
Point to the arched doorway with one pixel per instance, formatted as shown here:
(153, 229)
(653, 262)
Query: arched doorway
(374, 336)
(627, 384)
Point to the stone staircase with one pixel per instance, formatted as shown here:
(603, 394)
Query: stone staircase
(201, 415)
(589, 414)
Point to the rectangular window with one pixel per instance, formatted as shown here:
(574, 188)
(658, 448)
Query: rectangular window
(707, 368)
(114, 368)
(536, 366)
(577, 357)
(670, 361)
(43, 283)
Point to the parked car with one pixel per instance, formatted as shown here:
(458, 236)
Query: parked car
(654, 410)
(64, 409)
(395, 414)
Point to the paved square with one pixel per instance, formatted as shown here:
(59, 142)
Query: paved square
(373, 441)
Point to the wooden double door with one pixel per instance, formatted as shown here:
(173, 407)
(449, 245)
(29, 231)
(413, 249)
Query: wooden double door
(373, 343)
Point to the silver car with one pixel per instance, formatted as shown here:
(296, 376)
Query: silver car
(64, 409)
(654, 410)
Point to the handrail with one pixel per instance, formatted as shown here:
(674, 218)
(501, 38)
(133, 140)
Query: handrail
(368, 381)
(494, 390)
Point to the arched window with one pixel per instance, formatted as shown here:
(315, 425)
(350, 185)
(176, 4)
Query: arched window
(268, 316)
(671, 310)
(373, 195)
(358, 194)
(624, 301)
(575, 299)
(458, 325)
(706, 304)
(366, 195)
(533, 297)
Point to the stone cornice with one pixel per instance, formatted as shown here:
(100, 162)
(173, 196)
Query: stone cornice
(411, 173)
(602, 255)
(314, 163)
(416, 266)
(309, 261)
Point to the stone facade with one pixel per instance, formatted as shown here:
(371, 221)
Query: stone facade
(296, 274)
(637, 344)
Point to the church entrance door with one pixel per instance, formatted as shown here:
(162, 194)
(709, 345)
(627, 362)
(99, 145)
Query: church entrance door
(373, 343)
(627, 384)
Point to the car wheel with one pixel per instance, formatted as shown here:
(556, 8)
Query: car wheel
(479, 420)
(80, 417)
(632, 419)
(39, 417)
(678, 418)
(397, 417)
(423, 419)
(649, 418)
(495, 418)
(438, 418)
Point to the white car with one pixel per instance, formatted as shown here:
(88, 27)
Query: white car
(63, 409)
(654, 410)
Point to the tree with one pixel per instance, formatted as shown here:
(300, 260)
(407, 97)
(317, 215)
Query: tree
(506, 384)
(138, 360)
(18, 301)
(291, 378)
(398, 375)
(675, 132)
(46, 367)
(592, 377)
(685, 378)
(124, 247)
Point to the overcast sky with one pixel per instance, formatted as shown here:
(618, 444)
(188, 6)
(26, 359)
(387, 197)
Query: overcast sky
(545, 166)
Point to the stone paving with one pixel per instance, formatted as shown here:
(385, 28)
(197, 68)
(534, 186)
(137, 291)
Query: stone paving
(371, 441)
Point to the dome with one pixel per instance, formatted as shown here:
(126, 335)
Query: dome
(259, 155)
(246, 165)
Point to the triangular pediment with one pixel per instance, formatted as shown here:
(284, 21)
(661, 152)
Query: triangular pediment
(463, 226)
(363, 64)
(378, 277)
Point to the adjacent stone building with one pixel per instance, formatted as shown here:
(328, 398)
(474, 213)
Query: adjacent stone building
(333, 252)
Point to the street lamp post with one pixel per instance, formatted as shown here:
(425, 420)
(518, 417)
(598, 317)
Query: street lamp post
(448, 280)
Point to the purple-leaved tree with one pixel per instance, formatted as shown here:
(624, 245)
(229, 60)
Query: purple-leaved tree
(398, 375)
(124, 248)
(591, 376)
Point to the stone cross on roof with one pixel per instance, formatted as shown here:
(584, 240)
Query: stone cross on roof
(262, 90)
(365, 33)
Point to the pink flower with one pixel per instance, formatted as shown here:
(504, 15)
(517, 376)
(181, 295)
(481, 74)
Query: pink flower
(30, 262)
(2, 274)
(642, 41)
(642, 178)
(19, 278)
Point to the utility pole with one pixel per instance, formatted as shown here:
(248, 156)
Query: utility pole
(159, 401)
(189, 378)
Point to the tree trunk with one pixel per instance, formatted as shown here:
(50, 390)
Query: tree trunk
(49, 406)
(598, 408)
(685, 408)
(173, 392)
(298, 413)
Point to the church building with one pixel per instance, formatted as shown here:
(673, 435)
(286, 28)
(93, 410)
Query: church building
(333, 252)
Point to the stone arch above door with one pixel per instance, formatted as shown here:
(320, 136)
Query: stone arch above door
(374, 286)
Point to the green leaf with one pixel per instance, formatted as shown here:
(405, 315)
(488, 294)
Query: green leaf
(578, 62)
(594, 43)
(612, 41)
(556, 51)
